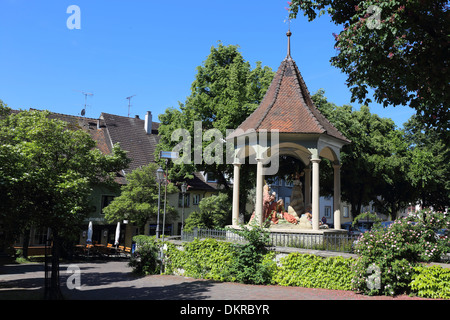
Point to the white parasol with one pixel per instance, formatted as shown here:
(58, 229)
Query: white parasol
(116, 242)
(89, 233)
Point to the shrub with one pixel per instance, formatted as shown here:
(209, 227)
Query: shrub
(146, 261)
(205, 259)
(212, 213)
(249, 263)
(311, 271)
(431, 282)
(394, 252)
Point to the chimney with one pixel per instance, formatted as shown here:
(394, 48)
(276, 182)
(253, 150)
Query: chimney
(148, 123)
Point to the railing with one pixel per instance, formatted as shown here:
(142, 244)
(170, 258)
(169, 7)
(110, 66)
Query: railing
(328, 241)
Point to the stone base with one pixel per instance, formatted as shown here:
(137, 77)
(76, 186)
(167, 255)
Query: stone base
(292, 228)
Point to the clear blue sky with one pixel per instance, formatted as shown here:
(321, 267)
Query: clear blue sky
(151, 49)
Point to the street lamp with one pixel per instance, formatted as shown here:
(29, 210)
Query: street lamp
(166, 155)
(159, 179)
(183, 191)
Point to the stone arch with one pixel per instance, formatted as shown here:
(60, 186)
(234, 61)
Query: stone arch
(293, 149)
(329, 152)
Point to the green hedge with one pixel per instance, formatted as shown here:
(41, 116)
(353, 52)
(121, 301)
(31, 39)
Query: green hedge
(431, 282)
(310, 271)
(205, 259)
(211, 259)
(219, 261)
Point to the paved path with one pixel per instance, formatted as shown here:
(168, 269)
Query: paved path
(113, 280)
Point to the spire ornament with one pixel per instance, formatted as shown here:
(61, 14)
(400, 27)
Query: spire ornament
(288, 33)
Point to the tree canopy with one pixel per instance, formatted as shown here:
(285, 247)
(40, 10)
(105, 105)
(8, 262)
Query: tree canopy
(138, 201)
(385, 165)
(400, 49)
(47, 172)
(213, 212)
(225, 91)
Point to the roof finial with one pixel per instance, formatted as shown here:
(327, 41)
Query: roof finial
(289, 33)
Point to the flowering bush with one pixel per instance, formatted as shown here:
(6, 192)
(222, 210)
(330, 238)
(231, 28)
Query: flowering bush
(389, 255)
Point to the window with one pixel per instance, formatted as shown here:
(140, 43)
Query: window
(345, 211)
(40, 235)
(275, 181)
(327, 211)
(195, 199)
(210, 177)
(167, 229)
(186, 200)
(287, 202)
(288, 183)
(106, 200)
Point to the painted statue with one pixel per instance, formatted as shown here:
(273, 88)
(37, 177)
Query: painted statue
(297, 205)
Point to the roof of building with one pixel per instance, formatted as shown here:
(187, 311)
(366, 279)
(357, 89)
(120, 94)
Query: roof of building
(132, 137)
(287, 106)
(130, 133)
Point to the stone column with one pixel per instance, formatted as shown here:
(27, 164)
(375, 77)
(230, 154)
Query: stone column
(315, 193)
(236, 179)
(307, 187)
(337, 196)
(259, 192)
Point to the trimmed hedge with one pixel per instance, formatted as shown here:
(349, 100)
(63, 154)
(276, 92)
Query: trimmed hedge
(211, 259)
(310, 271)
(217, 260)
(431, 282)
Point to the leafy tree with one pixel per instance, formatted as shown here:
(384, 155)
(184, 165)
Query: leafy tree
(138, 201)
(212, 213)
(398, 48)
(47, 172)
(226, 90)
(429, 165)
(374, 165)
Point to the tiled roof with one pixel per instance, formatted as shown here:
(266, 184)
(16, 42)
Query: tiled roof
(131, 135)
(95, 128)
(199, 183)
(288, 107)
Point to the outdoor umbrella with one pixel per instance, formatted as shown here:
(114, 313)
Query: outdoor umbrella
(89, 234)
(116, 242)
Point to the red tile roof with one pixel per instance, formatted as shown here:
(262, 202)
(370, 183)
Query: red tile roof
(288, 107)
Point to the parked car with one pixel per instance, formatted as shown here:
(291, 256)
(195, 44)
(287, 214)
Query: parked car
(442, 233)
(359, 228)
(386, 224)
(364, 226)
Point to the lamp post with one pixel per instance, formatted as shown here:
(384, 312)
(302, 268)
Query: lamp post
(165, 155)
(165, 201)
(183, 191)
(159, 178)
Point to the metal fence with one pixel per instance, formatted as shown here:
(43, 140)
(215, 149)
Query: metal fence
(336, 242)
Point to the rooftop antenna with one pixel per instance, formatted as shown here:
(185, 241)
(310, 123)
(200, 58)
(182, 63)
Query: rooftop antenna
(129, 103)
(83, 111)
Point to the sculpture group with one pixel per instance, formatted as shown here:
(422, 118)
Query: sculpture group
(275, 213)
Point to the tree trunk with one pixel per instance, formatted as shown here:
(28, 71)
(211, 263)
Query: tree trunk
(25, 244)
(55, 290)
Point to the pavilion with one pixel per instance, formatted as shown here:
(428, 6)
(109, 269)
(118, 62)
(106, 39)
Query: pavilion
(288, 123)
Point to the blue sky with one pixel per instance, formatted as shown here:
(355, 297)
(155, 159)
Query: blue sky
(151, 49)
